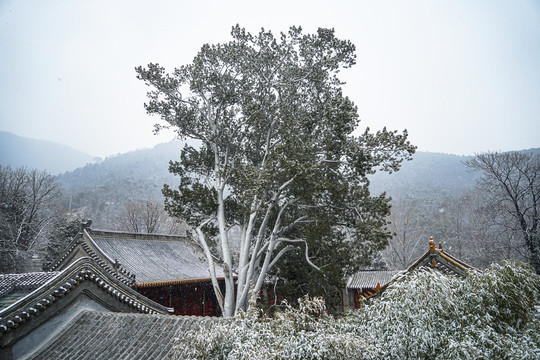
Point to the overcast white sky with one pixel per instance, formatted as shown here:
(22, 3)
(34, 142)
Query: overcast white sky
(462, 76)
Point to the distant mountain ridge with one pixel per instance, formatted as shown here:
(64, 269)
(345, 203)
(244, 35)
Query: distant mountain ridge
(17, 151)
(425, 175)
(99, 190)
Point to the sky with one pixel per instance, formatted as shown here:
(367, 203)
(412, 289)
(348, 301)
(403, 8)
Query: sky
(462, 76)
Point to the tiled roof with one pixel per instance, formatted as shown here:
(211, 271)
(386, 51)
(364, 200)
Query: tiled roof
(435, 259)
(26, 281)
(370, 278)
(106, 335)
(15, 286)
(84, 277)
(443, 261)
(153, 258)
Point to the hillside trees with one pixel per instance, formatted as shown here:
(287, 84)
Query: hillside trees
(410, 225)
(277, 157)
(28, 205)
(148, 216)
(512, 180)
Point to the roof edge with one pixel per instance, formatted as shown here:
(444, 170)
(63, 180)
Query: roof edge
(83, 270)
(173, 282)
(137, 236)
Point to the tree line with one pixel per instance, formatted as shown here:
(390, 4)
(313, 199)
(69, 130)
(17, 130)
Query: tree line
(495, 221)
(36, 222)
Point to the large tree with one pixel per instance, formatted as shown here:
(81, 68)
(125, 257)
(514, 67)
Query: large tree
(28, 205)
(277, 157)
(512, 179)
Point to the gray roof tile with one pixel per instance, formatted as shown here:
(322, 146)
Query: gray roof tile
(26, 281)
(370, 278)
(15, 286)
(106, 335)
(154, 258)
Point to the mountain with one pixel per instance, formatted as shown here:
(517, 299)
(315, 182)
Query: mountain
(100, 190)
(426, 175)
(17, 151)
(138, 174)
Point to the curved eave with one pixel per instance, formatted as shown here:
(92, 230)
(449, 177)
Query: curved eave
(61, 291)
(418, 261)
(457, 262)
(97, 249)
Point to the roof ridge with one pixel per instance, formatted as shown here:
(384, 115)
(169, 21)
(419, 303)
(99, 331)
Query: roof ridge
(82, 270)
(137, 236)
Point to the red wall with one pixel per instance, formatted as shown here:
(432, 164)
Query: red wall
(196, 299)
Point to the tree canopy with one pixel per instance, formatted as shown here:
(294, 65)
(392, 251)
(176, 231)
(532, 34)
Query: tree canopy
(28, 205)
(277, 155)
(512, 180)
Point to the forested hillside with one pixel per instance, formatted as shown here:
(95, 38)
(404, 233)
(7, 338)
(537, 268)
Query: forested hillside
(432, 195)
(439, 195)
(427, 175)
(100, 191)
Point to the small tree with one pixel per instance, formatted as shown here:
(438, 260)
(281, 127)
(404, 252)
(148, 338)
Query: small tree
(409, 224)
(277, 157)
(512, 179)
(142, 216)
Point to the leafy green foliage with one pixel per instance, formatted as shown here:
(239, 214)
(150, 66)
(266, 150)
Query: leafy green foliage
(303, 332)
(429, 315)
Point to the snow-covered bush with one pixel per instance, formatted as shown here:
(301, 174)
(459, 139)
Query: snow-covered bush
(307, 332)
(430, 315)
(426, 315)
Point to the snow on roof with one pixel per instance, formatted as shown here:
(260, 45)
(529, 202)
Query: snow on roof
(369, 279)
(15, 286)
(25, 281)
(154, 258)
(98, 335)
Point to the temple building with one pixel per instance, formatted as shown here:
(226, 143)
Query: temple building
(170, 270)
(369, 283)
(111, 295)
